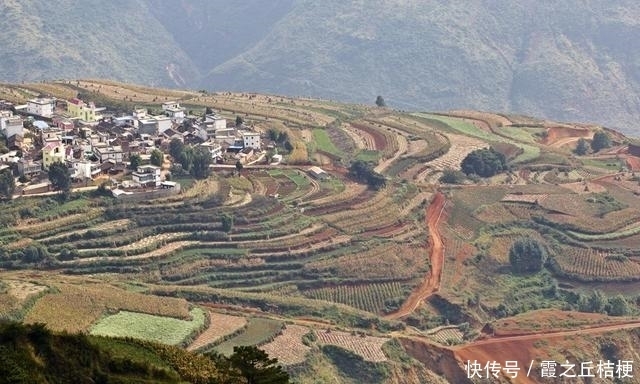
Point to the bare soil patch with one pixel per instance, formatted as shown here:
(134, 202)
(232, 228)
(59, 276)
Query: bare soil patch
(220, 325)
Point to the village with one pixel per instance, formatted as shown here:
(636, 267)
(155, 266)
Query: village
(126, 153)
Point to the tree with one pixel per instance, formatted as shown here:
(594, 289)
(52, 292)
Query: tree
(256, 367)
(157, 157)
(527, 255)
(600, 141)
(227, 222)
(380, 101)
(7, 184)
(239, 166)
(60, 177)
(484, 163)
(239, 121)
(597, 302)
(175, 149)
(288, 146)
(363, 172)
(451, 176)
(201, 159)
(186, 158)
(134, 161)
(618, 306)
(582, 147)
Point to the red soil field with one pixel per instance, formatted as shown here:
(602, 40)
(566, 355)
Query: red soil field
(431, 282)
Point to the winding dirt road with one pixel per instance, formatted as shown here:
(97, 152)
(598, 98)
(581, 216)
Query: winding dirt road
(431, 282)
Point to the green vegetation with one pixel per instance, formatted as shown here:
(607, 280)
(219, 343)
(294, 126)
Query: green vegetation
(369, 156)
(157, 157)
(258, 331)
(450, 176)
(134, 161)
(324, 142)
(582, 147)
(255, 366)
(527, 255)
(33, 354)
(363, 172)
(149, 327)
(354, 367)
(600, 141)
(456, 125)
(7, 184)
(60, 177)
(484, 162)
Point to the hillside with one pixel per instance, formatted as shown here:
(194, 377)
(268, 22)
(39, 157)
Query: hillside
(394, 268)
(575, 61)
(71, 39)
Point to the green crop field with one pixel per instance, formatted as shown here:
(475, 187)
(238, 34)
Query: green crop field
(324, 142)
(161, 329)
(530, 152)
(258, 331)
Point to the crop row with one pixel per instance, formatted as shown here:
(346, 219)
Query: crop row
(370, 297)
(587, 263)
(368, 347)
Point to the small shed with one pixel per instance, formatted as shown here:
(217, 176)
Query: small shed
(318, 173)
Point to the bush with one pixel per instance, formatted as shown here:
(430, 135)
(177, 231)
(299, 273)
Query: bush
(450, 176)
(600, 141)
(484, 162)
(527, 255)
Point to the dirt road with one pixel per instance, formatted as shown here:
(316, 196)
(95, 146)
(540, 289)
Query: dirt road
(431, 282)
(544, 335)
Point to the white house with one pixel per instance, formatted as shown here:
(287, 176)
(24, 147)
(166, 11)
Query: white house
(11, 125)
(106, 152)
(147, 175)
(214, 149)
(251, 139)
(214, 125)
(163, 123)
(174, 111)
(41, 106)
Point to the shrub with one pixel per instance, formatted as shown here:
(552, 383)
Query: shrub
(484, 162)
(527, 255)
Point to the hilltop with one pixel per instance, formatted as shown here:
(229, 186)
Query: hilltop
(393, 266)
(574, 61)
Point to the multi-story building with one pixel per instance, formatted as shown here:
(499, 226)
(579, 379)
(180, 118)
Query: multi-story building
(147, 175)
(41, 106)
(174, 111)
(28, 168)
(106, 152)
(84, 111)
(11, 125)
(251, 140)
(52, 152)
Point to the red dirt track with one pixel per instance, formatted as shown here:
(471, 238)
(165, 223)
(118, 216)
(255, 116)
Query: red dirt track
(431, 282)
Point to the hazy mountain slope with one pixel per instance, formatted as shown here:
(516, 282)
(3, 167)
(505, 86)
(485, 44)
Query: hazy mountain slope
(570, 61)
(577, 60)
(214, 31)
(88, 38)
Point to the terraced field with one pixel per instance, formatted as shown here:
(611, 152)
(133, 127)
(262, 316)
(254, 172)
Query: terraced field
(321, 253)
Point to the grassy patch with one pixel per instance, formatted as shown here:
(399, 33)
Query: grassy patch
(258, 331)
(324, 143)
(368, 155)
(530, 152)
(162, 329)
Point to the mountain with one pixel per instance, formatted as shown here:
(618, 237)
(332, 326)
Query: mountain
(571, 61)
(79, 39)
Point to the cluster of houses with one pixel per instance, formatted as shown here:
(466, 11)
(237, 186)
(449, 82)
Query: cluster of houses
(93, 143)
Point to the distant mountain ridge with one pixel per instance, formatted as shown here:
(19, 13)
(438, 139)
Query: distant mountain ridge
(572, 61)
